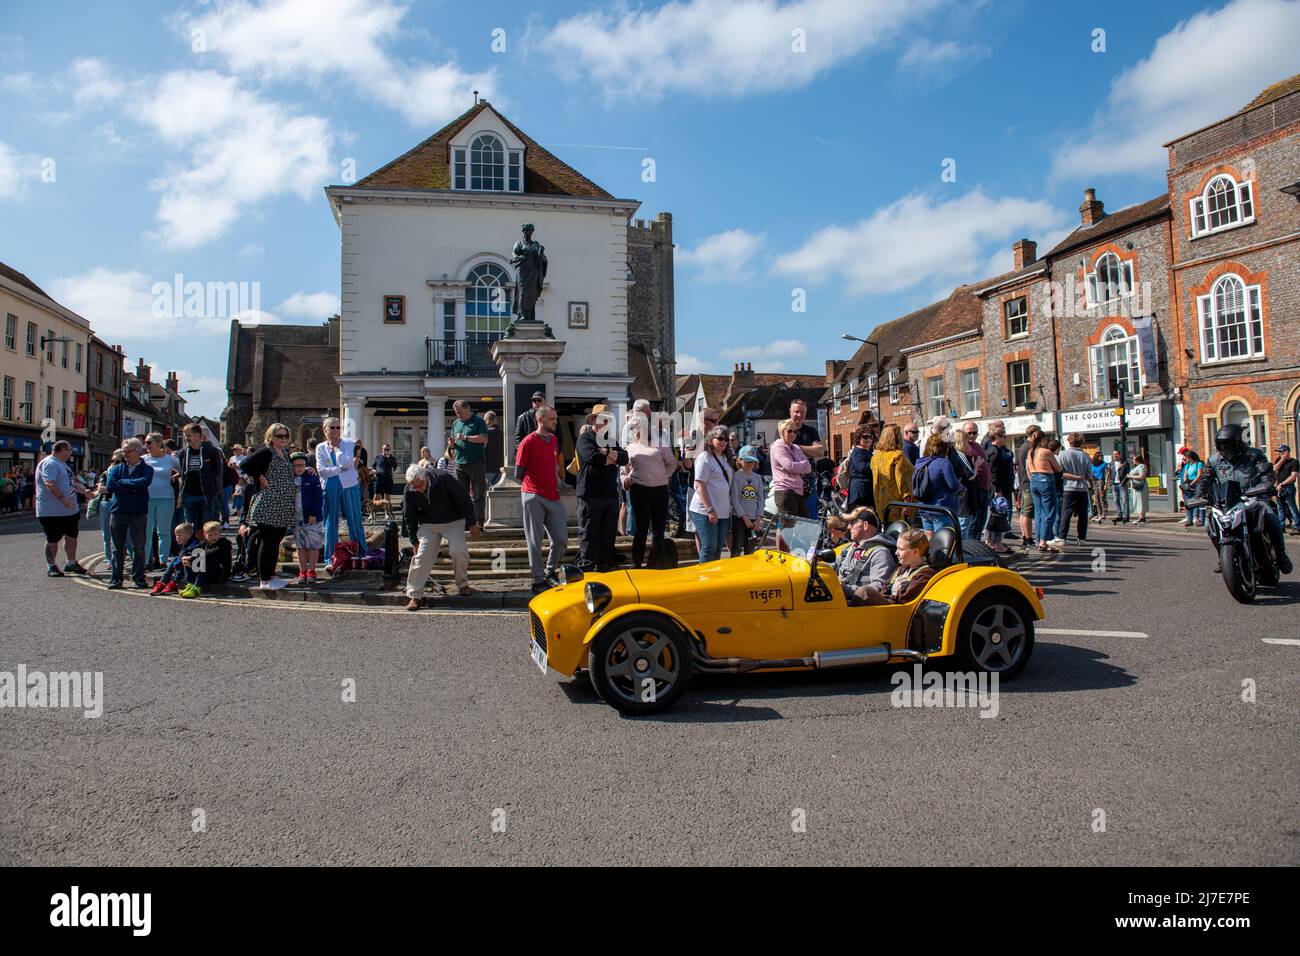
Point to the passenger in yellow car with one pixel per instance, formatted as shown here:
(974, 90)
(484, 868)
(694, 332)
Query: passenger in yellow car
(908, 580)
(868, 560)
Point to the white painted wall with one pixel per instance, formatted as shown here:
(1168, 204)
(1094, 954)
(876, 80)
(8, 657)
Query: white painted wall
(393, 248)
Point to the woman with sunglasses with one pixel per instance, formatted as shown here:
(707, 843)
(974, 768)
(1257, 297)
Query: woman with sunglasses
(272, 511)
(337, 463)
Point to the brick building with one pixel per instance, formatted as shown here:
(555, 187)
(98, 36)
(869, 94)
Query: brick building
(104, 384)
(1233, 189)
(650, 307)
(1111, 319)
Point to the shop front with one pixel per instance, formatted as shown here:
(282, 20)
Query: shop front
(1150, 431)
(1017, 425)
(21, 451)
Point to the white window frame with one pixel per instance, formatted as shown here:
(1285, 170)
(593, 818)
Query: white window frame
(1209, 325)
(1028, 384)
(1125, 277)
(11, 332)
(512, 166)
(973, 411)
(1242, 206)
(1100, 362)
(853, 394)
(873, 392)
(499, 312)
(9, 388)
(1006, 332)
(837, 402)
(893, 386)
(29, 401)
(941, 398)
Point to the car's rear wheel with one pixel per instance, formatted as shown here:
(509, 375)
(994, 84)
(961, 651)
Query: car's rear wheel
(640, 664)
(996, 635)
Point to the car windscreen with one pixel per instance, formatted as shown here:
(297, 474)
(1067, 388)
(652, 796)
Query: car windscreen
(792, 533)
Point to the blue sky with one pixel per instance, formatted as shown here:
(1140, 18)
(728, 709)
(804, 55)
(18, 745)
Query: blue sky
(798, 145)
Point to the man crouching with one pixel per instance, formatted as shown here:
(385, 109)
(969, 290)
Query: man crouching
(436, 507)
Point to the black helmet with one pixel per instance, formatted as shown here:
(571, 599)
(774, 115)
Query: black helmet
(1228, 441)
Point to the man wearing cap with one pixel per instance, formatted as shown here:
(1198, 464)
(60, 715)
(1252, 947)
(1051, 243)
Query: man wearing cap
(747, 495)
(599, 459)
(526, 423)
(1287, 469)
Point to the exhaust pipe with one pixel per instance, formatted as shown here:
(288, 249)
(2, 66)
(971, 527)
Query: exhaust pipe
(820, 660)
(853, 656)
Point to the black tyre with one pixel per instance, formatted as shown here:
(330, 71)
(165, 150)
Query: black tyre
(640, 665)
(996, 634)
(1238, 572)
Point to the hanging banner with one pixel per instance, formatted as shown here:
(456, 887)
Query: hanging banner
(79, 418)
(1146, 336)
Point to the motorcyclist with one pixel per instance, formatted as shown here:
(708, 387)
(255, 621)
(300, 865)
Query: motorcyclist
(1234, 460)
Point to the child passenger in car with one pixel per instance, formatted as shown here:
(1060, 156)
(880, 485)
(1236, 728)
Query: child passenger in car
(909, 579)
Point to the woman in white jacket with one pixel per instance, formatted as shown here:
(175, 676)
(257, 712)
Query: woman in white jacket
(336, 463)
(1138, 493)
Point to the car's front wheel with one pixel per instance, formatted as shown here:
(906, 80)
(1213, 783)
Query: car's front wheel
(996, 635)
(640, 664)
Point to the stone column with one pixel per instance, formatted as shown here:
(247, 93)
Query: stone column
(437, 423)
(353, 412)
(526, 357)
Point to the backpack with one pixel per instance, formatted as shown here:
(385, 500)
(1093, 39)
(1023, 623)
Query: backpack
(344, 552)
(999, 515)
(663, 555)
(922, 484)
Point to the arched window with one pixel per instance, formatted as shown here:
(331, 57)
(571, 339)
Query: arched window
(1223, 203)
(1109, 280)
(487, 303)
(487, 166)
(1232, 323)
(1114, 364)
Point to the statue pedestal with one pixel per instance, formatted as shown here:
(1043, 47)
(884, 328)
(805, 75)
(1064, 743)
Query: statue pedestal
(505, 503)
(526, 359)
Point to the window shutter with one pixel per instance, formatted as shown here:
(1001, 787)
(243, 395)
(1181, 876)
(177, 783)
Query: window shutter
(1207, 328)
(1244, 198)
(1097, 354)
(1134, 368)
(1198, 216)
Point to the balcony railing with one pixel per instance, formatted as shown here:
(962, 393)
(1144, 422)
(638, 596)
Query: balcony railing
(459, 358)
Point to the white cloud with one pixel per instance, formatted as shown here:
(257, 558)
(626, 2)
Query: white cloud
(118, 305)
(95, 86)
(309, 39)
(723, 257)
(768, 358)
(243, 151)
(18, 84)
(310, 305)
(17, 171)
(1204, 69)
(917, 240)
(939, 61)
(251, 250)
(688, 364)
(724, 47)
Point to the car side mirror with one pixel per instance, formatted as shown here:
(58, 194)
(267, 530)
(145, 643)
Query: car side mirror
(826, 555)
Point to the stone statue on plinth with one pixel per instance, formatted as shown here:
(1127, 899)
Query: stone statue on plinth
(529, 259)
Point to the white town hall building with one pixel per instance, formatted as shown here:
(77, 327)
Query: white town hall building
(426, 288)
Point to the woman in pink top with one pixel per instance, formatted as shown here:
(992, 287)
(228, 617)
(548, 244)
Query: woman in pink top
(650, 467)
(789, 465)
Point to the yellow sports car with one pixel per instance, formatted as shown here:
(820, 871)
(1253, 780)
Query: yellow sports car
(641, 634)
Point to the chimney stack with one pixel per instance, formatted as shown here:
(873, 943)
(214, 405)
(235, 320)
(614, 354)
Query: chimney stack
(173, 383)
(1025, 251)
(142, 372)
(833, 369)
(1091, 211)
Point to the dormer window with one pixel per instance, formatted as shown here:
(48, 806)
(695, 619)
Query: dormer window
(487, 166)
(1223, 204)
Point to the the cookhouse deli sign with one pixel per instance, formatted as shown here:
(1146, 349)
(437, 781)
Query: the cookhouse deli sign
(1148, 415)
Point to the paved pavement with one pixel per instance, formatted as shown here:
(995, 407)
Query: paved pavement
(234, 711)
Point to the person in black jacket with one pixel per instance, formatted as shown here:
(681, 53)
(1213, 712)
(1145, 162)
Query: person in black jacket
(436, 507)
(201, 475)
(599, 458)
(526, 423)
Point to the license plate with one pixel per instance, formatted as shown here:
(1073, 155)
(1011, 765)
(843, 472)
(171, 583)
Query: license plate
(538, 655)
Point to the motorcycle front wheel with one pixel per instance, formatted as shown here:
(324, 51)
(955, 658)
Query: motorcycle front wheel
(1238, 572)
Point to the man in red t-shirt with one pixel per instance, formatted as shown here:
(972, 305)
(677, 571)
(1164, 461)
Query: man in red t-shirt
(542, 463)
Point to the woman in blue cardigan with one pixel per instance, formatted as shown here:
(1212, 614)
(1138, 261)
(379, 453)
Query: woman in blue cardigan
(943, 483)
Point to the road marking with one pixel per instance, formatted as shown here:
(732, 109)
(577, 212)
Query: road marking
(1073, 633)
(1288, 641)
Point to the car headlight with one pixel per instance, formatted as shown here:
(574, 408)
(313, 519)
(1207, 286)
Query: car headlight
(598, 596)
(569, 574)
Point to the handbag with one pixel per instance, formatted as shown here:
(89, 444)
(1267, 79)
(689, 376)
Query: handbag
(575, 466)
(92, 509)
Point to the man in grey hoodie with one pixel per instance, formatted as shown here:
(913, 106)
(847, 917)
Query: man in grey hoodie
(868, 558)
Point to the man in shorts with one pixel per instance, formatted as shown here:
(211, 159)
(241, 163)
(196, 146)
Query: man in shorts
(58, 509)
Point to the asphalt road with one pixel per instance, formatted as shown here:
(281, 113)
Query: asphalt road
(237, 712)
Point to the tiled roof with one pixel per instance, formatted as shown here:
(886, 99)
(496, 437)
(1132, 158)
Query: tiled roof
(1111, 224)
(1275, 92)
(427, 166)
(772, 400)
(644, 384)
(13, 275)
